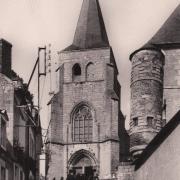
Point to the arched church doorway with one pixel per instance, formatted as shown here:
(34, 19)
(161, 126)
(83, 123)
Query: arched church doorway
(83, 164)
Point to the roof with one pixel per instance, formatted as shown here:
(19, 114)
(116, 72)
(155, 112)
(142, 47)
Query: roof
(3, 41)
(90, 31)
(158, 140)
(168, 34)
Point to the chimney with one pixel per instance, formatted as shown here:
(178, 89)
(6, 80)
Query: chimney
(5, 57)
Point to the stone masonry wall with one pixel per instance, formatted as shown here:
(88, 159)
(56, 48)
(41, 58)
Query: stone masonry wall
(172, 82)
(57, 111)
(7, 103)
(98, 92)
(60, 155)
(56, 166)
(101, 153)
(93, 92)
(163, 164)
(146, 98)
(125, 171)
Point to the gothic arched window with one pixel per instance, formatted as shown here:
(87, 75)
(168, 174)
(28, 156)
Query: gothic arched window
(82, 124)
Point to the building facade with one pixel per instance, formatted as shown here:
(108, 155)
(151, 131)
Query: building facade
(20, 138)
(86, 122)
(155, 104)
(87, 135)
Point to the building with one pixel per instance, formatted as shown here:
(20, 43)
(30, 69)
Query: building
(21, 140)
(3, 124)
(155, 104)
(87, 135)
(87, 125)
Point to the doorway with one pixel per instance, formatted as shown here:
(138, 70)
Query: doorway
(82, 166)
(89, 172)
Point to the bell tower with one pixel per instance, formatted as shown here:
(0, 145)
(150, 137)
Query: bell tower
(86, 120)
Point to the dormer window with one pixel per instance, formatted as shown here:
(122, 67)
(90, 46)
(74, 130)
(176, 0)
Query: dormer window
(76, 70)
(135, 121)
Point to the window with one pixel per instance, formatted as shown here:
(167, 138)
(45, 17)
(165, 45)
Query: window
(82, 124)
(76, 70)
(3, 133)
(135, 121)
(90, 71)
(150, 121)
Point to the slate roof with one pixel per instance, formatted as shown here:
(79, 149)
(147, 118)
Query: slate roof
(167, 35)
(158, 140)
(90, 31)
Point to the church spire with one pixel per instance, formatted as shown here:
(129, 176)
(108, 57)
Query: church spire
(90, 31)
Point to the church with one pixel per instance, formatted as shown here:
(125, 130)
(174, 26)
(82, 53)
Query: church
(87, 135)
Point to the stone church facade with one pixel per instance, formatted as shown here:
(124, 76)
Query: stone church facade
(86, 121)
(87, 134)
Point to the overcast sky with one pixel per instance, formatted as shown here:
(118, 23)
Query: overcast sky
(28, 24)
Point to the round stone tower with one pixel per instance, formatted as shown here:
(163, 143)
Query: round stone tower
(146, 98)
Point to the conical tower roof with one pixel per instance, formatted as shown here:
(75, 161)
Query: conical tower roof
(169, 33)
(90, 31)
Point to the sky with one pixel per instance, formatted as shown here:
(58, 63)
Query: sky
(29, 24)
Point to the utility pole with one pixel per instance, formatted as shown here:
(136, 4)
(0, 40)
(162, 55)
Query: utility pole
(39, 75)
(37, 65)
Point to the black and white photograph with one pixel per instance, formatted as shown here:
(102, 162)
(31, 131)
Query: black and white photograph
(89, 90)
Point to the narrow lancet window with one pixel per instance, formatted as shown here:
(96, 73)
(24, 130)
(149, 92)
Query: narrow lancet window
(76, 70)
